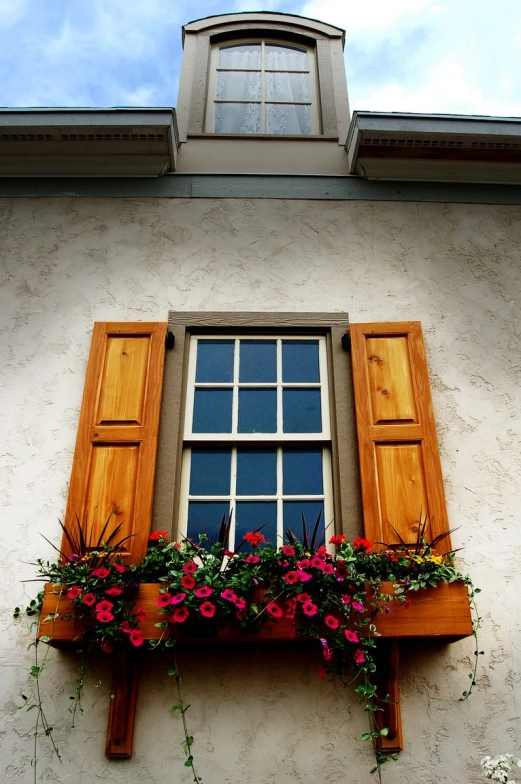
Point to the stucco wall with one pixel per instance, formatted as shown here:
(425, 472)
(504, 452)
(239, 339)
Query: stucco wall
(263, 717)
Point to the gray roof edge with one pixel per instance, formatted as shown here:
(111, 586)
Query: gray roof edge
(433, 123)
(122, 116)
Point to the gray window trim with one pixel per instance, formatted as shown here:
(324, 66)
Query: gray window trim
(345, 472)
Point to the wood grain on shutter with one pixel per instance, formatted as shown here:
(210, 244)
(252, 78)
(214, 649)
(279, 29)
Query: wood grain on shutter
(115, 457)
(400, 465)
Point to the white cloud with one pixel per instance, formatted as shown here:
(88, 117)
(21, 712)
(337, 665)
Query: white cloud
(362, 15)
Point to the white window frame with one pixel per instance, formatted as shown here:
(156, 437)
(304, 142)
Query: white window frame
(263, 101)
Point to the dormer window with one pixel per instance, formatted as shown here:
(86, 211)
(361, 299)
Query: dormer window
(262, 87)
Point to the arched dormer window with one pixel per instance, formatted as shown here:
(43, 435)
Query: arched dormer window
(262, 86)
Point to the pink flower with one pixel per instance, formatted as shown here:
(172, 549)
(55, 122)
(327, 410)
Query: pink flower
(346, 599)
(125, 627)
(163, 600)
(89, 599)
(73, 592)
(328, 568)
(207, 609)
(359, 656)
(188, 581)
(308, 608)
(321, 672)
(304, 563)
(104, 606)
(357, 606)
(351, 636)
(136, 637)
(317, 562)
(140, 615)
(240, 603)
(303, 576)
(288, 550)
(178, 598)
(228, 594)
(303, 597)
(252, 559)
(119, 568)
(331, 621)
(107, 646)
(104, 616)
(203, 591)
(274, 610)
(179, 616)
(114, 591)
(327, 653)
(292, 577)
(190, 568)
(102, 572)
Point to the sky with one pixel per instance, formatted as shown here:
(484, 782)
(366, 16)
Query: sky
(434, 56)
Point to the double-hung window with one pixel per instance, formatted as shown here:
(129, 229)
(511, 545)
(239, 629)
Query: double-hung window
(257, 442)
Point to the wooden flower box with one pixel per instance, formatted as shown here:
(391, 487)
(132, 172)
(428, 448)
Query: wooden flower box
(442, 612)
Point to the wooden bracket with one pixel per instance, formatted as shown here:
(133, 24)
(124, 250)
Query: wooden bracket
(389, 694)
(122, 711)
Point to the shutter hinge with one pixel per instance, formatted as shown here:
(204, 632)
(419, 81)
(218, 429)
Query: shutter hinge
(170, 340)
(346, 342)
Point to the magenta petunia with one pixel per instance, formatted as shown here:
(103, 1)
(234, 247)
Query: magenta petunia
(274, 610)
(179, 616)
(252, 559)
(178, 598)
(308, 608)
(328, 568)
(359, 656)
(207, 609)
(119, 568)
(163, 600)
(288, 550)
(104, 616)
(203, 591)
(317, 562)
(190, 568)
(102, 572)
(327, 653)
(114, 591)
(357, 606)
(292, 577)
(351, 636)
(331, 621)
(304, 576)
(240, 603)
(136, 637)
(89, 599)
(140, 615)
(228, 594)
(346, 599)
(188, 582)
(304, 563)
(73, 592)
(104, 606)
(303, 597)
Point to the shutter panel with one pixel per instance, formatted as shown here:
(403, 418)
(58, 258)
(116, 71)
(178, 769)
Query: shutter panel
(115, 456)
(398, 450)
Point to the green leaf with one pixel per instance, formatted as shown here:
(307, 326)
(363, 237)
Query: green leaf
(45, 638)
(384, 731)
(367, 735)
(189, 762)
(173, 671)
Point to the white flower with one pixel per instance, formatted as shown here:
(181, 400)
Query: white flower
(497, 768)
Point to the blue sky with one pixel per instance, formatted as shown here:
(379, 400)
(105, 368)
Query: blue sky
(456, 56)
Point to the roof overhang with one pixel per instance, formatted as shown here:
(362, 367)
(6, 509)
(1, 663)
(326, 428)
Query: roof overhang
(87, 142)
(435, 148)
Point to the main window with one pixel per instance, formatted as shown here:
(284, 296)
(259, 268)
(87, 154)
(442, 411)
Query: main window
(257, 442)
(262, 87)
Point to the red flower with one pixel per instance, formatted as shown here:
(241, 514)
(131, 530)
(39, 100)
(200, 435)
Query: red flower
(252, 559)
(190, 568)
(203, 591)
(102, 572)
(361, 544)
(240, 615)
(163, 600)
(328, 568)
(228, 594)
(303, 597)
(359, 656)
(341, 568)
(338, 539)
(114, 591)
(179, 616)
(322, 551)
(136, 637)
(125, 627)
(351, 636)
(254, 538)
(292, 577)
(304, 563)
(104, 616)
(240, 603)
(73, 592)
(331, 621)
(327, 653)
(119, 568)
(288, 550)
(321, 672)
(104, 606)
(107, 646)
(155, 536)
(140, 615)
(207, 609)
(89, 599)
(308, 608)
(346, 599)
(188, 581)
(178, 598)
(274, 610)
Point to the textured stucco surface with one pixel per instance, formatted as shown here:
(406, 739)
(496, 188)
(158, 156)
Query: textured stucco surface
(262, 716)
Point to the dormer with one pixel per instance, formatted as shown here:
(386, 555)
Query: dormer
(262, 93)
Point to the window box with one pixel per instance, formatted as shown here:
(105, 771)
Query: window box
(442, 612)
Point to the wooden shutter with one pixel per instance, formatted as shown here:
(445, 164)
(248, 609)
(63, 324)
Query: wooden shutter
(400, 465)
(115, 456)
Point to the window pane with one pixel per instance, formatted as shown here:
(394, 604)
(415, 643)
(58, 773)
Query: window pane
(257, 411)
(210, 472)
(209, 513)
(301, 411)
(239, 85)
(240, 56)
(256, 472)
(302, 472)
(285, 58)
(292, 512)
(258, 361)
(288, 119)
(214, 361)
(212, 411)
(287, 87)
(300, 361)
(237, 118)
(250, 515)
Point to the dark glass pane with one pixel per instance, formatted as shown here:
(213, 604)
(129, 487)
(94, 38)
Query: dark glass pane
(212, 411)
(292, 512)
(301, 411)
(300, 361)
(302, 472)
(258, 361)
(256, 472)
(214, 361)
(257, 411)
(250, 515)
(210, 472)
(206, 513)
